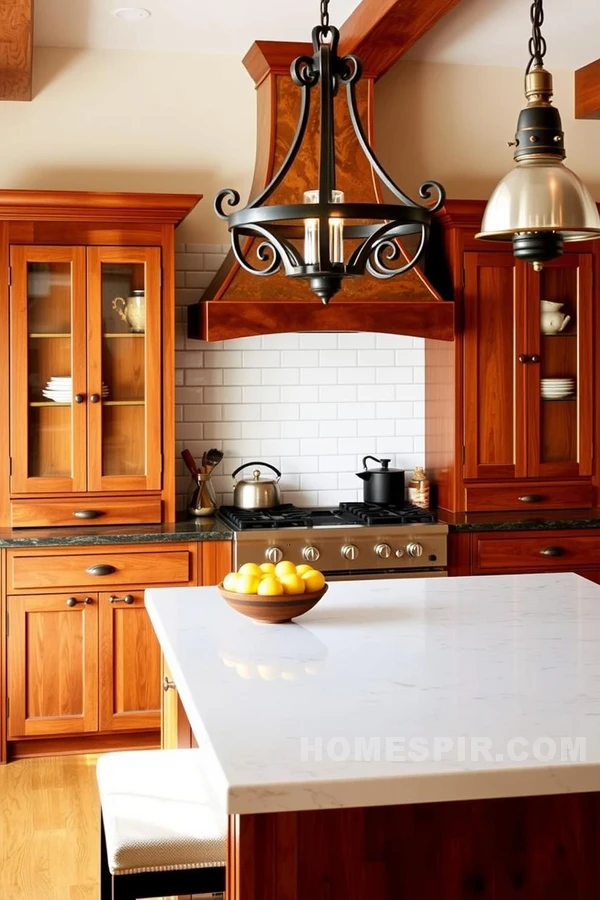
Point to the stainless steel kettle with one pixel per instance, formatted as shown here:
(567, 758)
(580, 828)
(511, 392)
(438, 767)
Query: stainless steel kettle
(260, 493)
(384, 486)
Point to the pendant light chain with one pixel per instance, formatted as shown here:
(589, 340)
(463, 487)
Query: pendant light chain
(537, 44)
(325, 16)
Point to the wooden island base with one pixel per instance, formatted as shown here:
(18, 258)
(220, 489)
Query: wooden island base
(531, 848)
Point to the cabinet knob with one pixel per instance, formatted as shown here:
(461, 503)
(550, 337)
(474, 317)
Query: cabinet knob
(523, 358)
(94, 398)
(79, 398)
(100, 569)
(535, 358)
(552, 551)
(87, 513)
(73, 601)
(530, 498)
(128, 599)
(168, 684)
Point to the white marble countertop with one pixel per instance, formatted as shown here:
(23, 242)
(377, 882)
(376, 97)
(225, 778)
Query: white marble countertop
(392, 692)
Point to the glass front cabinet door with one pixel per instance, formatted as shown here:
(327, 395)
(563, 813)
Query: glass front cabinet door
(85, 369)
(559, 367)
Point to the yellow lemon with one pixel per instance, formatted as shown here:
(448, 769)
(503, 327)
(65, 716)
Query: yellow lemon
(230, 581)
(300, 570)
(285, 567)
(247, 584)
(267, 568)
(293, 584)
(314, 580)
(250, 569)
(269, 586)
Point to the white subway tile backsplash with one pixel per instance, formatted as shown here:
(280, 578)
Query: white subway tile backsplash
(337, 393)
(318, 376)
(328, 358)
(312, 404)
(279, 411)
(297, 358)
(261, 359)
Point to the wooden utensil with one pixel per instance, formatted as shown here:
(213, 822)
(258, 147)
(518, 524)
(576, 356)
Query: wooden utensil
(190, 462)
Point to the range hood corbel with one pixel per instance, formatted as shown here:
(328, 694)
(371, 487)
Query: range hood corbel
(237, 304)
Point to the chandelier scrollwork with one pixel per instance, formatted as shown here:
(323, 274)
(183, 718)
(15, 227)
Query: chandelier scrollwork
(307, 239)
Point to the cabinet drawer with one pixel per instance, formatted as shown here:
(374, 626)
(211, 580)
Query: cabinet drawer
(85, 511)
(535, 495)
(541, 552)
(31, 569)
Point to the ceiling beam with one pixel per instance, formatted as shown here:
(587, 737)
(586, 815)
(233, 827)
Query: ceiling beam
(16, 42)
(587, 91)
(379, 32)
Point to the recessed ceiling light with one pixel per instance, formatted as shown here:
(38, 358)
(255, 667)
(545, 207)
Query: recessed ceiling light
(132, 13)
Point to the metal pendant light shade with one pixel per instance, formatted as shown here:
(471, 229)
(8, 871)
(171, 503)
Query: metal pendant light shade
(541, 203)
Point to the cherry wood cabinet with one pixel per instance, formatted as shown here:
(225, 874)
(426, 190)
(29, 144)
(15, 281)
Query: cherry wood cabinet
(498, 436)
(52, 664)
(129, 664)
(87, 288)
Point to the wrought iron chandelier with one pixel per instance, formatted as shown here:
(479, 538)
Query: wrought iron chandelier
(541, 203)
(312, 239)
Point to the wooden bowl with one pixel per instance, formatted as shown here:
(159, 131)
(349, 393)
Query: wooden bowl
(274, 610)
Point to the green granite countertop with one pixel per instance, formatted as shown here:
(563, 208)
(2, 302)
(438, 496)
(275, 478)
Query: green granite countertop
(541, 520)
(192, 530)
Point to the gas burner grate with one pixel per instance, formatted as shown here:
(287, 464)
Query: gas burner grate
(374, 514)
(285, 516)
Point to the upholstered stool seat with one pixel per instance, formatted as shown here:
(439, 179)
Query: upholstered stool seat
(158, 818)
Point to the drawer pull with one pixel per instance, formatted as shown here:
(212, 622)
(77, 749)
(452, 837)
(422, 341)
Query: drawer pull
(87, 513)
(100, 569)
(531, 498)
(128, 599)
(168, 684)
(552, 551)
(73, 601)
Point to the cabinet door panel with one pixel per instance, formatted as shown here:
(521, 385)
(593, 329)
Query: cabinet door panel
(215, 561)
(52, 665)
(559, 425)
(123, 368)
(494, 299)
(129, 664)
(48, 429)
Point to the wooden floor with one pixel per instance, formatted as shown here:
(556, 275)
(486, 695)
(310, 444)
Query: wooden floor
(49, 829)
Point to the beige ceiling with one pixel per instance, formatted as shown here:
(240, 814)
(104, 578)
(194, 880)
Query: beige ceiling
(202, 26)
(495, 32)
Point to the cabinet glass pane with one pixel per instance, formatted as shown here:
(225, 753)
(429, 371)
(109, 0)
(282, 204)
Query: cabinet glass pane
(123, 369)
(558, 365)
(49, 369)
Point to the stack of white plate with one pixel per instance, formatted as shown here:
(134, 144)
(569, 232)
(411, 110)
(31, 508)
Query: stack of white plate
(60, 389)
(557, 388)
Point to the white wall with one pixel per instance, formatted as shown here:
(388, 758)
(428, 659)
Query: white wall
(310, 404)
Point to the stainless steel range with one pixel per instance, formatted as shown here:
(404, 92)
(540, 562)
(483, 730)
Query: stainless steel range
(355, 540)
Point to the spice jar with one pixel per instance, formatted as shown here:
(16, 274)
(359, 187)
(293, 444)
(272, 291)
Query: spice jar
(418, 488)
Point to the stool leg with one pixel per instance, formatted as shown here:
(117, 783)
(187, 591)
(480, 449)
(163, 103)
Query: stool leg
(106, 879)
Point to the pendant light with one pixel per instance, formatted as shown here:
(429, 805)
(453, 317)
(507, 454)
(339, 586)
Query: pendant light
(541, 203)
(323, 237)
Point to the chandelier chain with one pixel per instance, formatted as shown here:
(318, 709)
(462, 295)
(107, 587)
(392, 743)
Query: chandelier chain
(537, 44)
(325, 16)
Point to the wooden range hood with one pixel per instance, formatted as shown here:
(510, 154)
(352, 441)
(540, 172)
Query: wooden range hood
(237, 304)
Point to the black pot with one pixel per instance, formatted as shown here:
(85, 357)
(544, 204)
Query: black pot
(384, 486)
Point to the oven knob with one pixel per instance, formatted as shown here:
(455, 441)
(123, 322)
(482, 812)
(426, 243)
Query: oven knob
(414, 549)
(349, 551)
(384, 551)
(311, 554)
(400, 552)
(274, 554)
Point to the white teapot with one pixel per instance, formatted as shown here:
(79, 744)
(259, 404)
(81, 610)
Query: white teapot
(552, 320)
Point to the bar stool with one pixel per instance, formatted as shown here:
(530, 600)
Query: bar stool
(160, 833)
